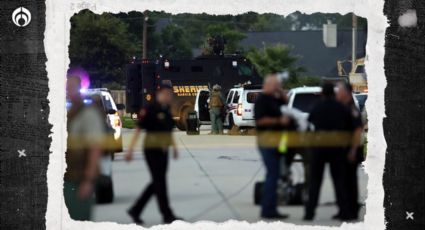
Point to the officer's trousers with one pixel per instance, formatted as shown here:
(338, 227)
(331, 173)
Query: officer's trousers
(271, 159)
(352, 189)
(216, 120)
(337, 161)
(157, 161)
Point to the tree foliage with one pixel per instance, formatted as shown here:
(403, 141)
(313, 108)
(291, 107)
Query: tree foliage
(173, 42)
(232, 38)
(135, 21)
(274, 59)
(278, 59)
(101, 44)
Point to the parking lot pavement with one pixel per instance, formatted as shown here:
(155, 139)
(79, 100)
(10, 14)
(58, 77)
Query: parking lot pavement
(212, 180)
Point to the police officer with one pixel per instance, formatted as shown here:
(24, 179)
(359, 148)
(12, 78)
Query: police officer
(355, 153)
(270, 122)
(84, 148)
(216, 106)
(328, 116)
(157, 120)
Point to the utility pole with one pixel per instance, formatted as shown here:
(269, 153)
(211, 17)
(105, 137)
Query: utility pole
(354, 45)
(145, 35)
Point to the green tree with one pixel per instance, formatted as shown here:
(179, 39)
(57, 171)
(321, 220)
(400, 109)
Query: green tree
(274, 59)
(232, 37)
(278, 59)
(300, 21)
(174, 42)
(135, 21)
(101, 45)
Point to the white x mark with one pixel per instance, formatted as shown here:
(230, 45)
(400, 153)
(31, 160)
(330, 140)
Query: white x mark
(22, 153)
(409, 215)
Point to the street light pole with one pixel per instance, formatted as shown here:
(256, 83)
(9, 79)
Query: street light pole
(145, 34)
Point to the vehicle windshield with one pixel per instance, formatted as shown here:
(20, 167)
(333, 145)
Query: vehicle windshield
(107, 103)
(305, 101)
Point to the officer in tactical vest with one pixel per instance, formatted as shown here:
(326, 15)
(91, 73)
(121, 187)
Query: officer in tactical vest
(216, 106)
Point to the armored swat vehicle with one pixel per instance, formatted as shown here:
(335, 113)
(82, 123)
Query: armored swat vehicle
(186, 76)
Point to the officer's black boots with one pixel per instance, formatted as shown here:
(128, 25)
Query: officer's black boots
(136, 219)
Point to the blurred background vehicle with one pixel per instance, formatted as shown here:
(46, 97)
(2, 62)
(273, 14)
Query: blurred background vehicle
(113, 118)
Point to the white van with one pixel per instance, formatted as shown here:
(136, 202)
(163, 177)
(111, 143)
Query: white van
(240, 106)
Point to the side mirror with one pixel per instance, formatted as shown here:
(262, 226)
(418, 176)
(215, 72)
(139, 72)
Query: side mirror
(120, 106)
(112, 111)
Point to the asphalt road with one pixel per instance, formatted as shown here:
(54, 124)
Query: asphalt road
(213, 179)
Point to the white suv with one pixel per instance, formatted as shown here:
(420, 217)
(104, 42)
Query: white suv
(240, 106)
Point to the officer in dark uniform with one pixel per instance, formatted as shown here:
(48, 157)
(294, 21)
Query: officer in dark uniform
(158, 122)
(270, 122)
(355, 152)
(328, 116)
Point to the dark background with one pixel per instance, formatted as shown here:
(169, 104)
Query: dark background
(24, 118)
(404, 125)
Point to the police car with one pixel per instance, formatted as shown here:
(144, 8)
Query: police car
(111, 109)
(239, 106)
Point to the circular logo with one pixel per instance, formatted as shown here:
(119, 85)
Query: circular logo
(21, 17)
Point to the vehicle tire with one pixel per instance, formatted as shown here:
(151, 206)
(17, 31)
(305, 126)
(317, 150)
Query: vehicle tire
(104, 190)
(258, 192)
